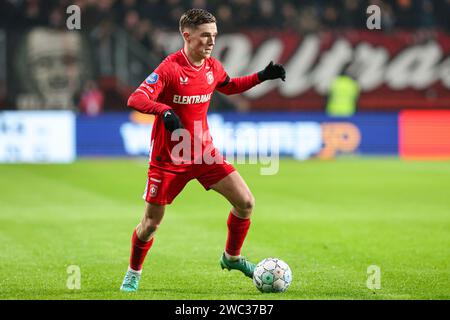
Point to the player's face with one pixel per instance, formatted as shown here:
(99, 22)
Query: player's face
(202, 39)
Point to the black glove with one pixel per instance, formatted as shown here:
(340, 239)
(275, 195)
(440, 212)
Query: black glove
(272, 71)
(171, 120)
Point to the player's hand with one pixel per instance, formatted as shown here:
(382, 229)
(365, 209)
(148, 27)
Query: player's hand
(171, 121)
(272, 71)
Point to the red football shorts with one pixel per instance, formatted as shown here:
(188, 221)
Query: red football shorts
(164, 185)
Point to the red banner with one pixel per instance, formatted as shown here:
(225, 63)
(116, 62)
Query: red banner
(394, 70)
(424, 134)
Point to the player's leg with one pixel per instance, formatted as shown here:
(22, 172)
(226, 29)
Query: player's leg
(161, 189)
(236, 191)
(142, 239)
(150, 222)
(141, 242)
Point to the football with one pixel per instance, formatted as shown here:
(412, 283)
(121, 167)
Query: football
(272, 275)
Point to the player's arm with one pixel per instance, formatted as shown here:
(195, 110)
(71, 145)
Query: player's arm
(241, 84)
(140, 101)
(143, 99)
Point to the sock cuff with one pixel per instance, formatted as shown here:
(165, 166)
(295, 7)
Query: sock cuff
(233, 219)
(139, 243)
(135, 271)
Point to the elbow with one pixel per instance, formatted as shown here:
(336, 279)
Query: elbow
(131, 101)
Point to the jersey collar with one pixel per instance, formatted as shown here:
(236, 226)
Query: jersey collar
(190, 64)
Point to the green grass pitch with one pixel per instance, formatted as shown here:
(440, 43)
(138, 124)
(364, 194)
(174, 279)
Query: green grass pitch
(329, 220)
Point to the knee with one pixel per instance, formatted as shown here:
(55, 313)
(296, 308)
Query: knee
(246, 204)
(250, 202)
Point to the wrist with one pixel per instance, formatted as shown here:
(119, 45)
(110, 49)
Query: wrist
(165, 110)
(261, 76)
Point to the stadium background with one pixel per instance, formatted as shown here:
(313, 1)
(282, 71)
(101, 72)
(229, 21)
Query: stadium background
(63, 100)
(92, 71)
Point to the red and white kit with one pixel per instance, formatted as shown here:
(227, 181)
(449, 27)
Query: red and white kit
(187, 89)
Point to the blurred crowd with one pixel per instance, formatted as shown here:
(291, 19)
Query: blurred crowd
(139, 17)
(144, 21)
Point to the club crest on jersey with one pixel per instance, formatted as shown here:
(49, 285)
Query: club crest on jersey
(152, 78)
(209, 77)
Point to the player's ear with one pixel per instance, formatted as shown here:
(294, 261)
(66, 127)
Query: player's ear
(185, 35)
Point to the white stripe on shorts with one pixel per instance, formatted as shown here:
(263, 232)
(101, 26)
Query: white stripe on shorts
(144, 196)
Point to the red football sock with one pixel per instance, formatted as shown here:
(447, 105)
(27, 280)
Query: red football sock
(237, 231)
(139, 250)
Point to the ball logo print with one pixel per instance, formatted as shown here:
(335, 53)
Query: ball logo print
(272, 275)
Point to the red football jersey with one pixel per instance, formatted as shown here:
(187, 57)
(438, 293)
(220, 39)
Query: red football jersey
(187, 89)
